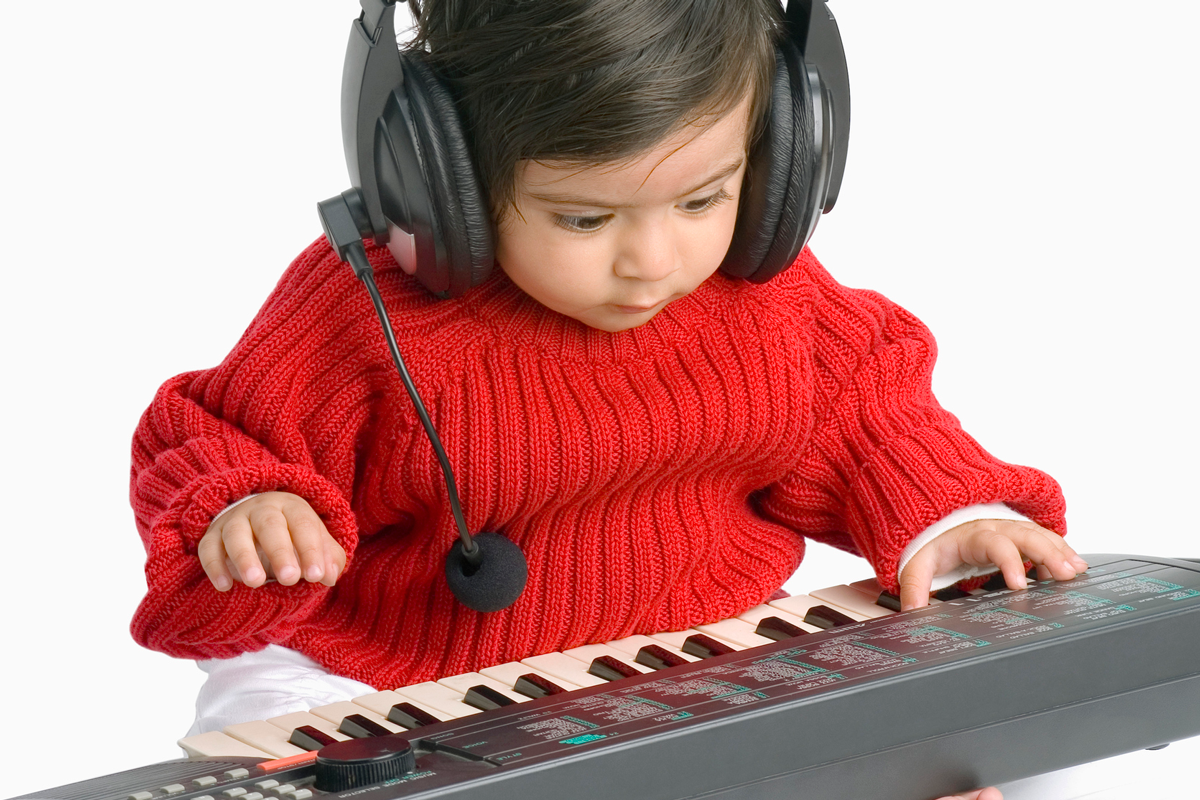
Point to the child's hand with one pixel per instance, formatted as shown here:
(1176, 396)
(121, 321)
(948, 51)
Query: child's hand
(1004, 543)
(274, 535)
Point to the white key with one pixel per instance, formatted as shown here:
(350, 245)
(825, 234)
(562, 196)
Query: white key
(759, 613)
(461, 683)
(264, 736)
(736, 631)
(676, 639)
(850, 600)
(446, 702)
(798, 605)
(336, 712)
(381, 703)
(559, 666)
(508, 674)
(590, 652)
(215, 743)
(630, 645)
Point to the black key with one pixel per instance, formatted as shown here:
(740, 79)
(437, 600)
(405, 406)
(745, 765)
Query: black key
(778, 629)
(824, 617)
(356, 726)
(306, 737)
(888, 600)
(702, 646)
(485, 698)
(951, 593)
(533, 685)
(657, 657)
(610, 669)
(406, 715)
(995, 583)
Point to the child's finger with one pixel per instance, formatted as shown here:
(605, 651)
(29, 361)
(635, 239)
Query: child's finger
(211, 552)
(1003, 552)
(307, 538)
(335, 561)
(238, 538)
(273, 536)
(1047, 549)
(916, 581)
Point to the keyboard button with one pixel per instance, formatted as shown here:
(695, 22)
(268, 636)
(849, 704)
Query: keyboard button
(236, 791)
(304, 719)
(237, 774)
(141, 796)
(825, 617)
(950, 593)
(174, 788)
(381, 703)
(468, 680)
(889, 601)
(800, 605)
(206, 780)
(632, 645)
(734, 630)
(512, 673)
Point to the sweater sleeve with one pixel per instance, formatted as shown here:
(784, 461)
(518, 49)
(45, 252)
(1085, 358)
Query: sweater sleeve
(284, 411)
(885, 460)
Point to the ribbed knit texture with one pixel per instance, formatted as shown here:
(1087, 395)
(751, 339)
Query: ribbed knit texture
(656, 478)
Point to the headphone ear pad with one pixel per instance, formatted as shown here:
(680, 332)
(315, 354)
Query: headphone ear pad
(459, 210)
(773, 214)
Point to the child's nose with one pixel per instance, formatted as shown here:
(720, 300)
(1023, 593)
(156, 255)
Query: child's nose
(650, 255)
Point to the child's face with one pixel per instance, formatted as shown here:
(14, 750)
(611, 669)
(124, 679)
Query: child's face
(612, 245)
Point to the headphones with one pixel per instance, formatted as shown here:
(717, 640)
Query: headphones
(410, 166)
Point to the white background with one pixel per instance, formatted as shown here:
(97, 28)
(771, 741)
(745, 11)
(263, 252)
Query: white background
(1021, 176)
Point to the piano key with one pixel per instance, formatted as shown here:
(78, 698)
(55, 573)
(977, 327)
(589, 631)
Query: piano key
(485, 698)
(266, 737)
(611, 668)
(950, 593)
(703, 646)
(535, 685)
(801, 605)
(336, 712)
(759, 613)
(409, 717)
(360, 726)
(218, 744)
(307, 737)
(560, 666)
(509, 674)
(466, 681)
(735, 631)
(679, 640)
(632, 645)
(778, 629)
(446, 702)
(381, 703)
(845, 598)
(657, 656)
(300, 719)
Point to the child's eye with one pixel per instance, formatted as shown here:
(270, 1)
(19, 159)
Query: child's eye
(707, 203)
(581, 224)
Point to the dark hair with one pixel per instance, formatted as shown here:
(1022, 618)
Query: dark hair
(587, 82)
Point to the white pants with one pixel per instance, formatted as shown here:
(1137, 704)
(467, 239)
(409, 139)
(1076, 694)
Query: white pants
(269, 683)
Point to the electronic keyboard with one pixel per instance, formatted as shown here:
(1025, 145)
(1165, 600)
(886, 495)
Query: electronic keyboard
(828, 695)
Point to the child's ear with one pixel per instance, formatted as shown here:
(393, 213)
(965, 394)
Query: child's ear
(403, 247)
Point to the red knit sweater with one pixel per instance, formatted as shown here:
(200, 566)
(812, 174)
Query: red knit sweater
(655, 478)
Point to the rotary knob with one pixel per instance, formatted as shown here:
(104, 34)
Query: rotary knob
(363, 762)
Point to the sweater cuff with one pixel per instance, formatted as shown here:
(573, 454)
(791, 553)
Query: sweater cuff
(953, 520)
(182, 614)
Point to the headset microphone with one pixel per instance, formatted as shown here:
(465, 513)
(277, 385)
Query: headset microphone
(486, 572)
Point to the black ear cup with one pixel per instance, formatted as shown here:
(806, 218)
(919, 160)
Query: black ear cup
(774, 217)
(461, 225)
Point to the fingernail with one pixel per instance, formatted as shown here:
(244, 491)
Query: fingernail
(255, 575)
(1022, 582)
(222, 583)
(314, 573)
(288, 574)
(1080, 564)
